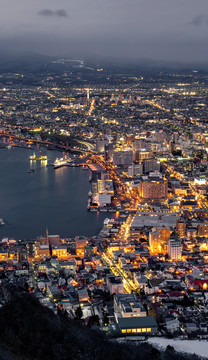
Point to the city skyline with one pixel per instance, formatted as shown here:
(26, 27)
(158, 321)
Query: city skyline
(104, 180)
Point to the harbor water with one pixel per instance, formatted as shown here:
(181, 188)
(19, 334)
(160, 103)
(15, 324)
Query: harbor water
(30, 201)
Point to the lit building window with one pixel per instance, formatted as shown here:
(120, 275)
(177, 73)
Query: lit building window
(205, 286)
(123, 331)
(144, 330)
(139, 330)
(128, 330)
(149, 329)
(133, 330)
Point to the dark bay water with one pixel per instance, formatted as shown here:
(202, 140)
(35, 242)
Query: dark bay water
(56, 199)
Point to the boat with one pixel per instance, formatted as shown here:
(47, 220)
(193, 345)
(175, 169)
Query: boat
(9, 146)
(31, 171)
(2, 222)
(34, 157)
(59, 162)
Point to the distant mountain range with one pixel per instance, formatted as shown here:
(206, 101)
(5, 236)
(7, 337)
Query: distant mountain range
(27, 62)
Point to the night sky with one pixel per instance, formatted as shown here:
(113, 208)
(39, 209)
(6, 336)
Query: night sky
(155, 29)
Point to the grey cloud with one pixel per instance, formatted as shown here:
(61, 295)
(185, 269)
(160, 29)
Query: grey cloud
(199, 20)
(61, 13)
(46, 12)
(57, 13)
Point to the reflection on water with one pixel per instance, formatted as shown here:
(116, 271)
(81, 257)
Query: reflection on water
(117, 215)
(46, 197)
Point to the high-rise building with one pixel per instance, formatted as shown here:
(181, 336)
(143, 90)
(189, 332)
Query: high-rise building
(100, 145)
(141, 155)
(151, 165)
(174, 249)
(88, 94)
(123, 157)
(164, 232)
(135, 170)
(138, 144)
(109, 151)
(203, 229)
(127, 157)
(155, 242)
(180, 228)
(153, 187)
(118, 158)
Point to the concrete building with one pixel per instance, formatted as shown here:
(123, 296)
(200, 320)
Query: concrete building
(105, 186)
(109, 151)
(180, 228)
(155, 242)
(41, 251)
(174, 249)
(154, 219)
(122, 157)
(114, 284)
(191, 233)
(141, 155)
(135, 170)
(60, 251)
(153, 187)
(203, 229)
(80, 243)
(128, 305)
(164, 232)
(104, 199)
(54, 240)
(100, 145)
(138, 144)
(150, 165)
(137, 325)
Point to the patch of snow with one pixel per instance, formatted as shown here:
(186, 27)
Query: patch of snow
(198, 347)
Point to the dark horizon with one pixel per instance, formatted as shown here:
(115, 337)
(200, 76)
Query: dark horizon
(161, 31)
(12, 58)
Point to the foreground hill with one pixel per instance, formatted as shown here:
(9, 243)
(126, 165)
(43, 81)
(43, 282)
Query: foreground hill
(31, 331)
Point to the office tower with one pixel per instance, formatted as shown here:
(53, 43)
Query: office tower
(151, 165)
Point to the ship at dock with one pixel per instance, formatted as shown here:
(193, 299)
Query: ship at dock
(34, 157)
(60, 162)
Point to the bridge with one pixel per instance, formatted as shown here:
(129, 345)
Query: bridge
(89, 146)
